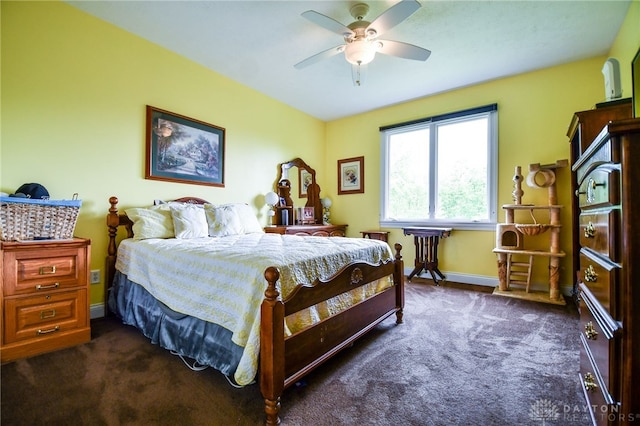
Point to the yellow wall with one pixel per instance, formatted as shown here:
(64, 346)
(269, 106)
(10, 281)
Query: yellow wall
(626, 46)
(74, 90)
(534, 111)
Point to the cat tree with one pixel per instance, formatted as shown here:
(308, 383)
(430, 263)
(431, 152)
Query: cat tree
(515, 261)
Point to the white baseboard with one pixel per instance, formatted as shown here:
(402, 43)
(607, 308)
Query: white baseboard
(97, 310)
(483, 280)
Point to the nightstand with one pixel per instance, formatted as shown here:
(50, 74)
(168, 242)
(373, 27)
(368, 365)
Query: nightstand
(45, 296)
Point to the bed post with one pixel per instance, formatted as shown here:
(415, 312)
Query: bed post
(272, 347)
(398, 278)
(113, 221)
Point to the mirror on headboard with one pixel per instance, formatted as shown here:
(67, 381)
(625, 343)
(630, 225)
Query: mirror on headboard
(298, 184)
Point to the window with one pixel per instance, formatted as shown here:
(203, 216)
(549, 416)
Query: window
(441, 171)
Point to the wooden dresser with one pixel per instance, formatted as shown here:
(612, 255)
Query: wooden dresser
(309, 230)
(45, 296)
(607, 176)
(583, 129)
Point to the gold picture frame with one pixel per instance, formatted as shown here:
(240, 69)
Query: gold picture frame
(182, 149)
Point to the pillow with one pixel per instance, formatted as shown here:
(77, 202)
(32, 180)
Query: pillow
(248, 219)
(152, 222)
(189, 221)
(232, 219)
(222, 221)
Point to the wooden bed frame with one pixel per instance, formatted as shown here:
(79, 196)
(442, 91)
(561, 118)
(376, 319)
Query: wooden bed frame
(284, 360)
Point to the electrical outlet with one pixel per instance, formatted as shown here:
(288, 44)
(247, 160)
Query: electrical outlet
(95, 276)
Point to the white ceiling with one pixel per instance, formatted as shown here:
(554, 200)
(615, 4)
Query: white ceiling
(257, 43)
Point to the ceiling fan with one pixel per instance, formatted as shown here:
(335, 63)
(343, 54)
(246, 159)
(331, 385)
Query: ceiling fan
(361, 37)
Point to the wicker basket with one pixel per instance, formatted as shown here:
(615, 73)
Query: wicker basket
(24, 219)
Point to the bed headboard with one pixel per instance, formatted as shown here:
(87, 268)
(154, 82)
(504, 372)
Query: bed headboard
(116, 220)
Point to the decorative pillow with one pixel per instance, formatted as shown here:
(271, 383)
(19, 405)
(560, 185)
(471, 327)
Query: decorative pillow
(232, 219)
(222, 221)
(189, 221)
(152, 222)
(248, 219)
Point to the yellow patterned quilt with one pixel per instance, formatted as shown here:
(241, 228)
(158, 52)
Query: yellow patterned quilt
(221, 280)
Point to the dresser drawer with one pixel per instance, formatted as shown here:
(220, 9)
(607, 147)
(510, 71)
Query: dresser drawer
(309, 233)
(309, 230)
(599, 402)
(603, 154)
(319, 233)
(600, 277)
(39, 316)
(600, 334)
(37, 271)
(600, 233)
(599, 188)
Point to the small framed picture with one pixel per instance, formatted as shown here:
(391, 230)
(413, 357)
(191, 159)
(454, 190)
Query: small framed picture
(351, 176)
(305, 180)
(305, 216)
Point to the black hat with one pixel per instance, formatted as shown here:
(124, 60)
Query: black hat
(31, 190)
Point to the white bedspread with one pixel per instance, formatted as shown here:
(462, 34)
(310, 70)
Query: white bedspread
(221, 280)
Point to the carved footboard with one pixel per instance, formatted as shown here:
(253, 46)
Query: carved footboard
(283, 361)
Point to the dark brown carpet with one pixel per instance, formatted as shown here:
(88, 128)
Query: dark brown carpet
(461, 358)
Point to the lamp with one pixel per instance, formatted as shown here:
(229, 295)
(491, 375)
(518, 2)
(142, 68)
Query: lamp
(271, 198)
(326, 203)
(361, 51)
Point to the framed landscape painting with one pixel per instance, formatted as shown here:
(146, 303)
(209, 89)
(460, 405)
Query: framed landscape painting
(182, 149)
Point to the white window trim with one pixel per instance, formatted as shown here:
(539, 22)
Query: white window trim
(492, 175)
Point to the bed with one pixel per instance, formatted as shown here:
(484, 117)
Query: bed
(308, 297)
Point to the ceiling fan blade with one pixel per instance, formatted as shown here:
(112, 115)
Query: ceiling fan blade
(393, 16)
(319, 57)
(358, 73)
(403, 50)
(327, 23)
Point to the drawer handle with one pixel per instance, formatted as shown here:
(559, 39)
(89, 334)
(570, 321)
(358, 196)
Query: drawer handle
(590, 275)
(589, 231)
(50, 313)
(590, 382)
(51, 330)
(48, 270)
(591, 189)
(47, 287)
(590, 332)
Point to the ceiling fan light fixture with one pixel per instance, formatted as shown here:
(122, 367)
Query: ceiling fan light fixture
(360, 52)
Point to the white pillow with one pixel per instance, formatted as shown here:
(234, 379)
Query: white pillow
(248, 219)
(152, 222)
(189, 221)
(222, 221)
(232, 219)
